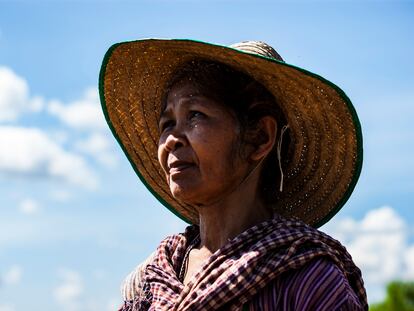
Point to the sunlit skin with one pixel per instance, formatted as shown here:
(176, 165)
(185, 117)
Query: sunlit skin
(206, 166)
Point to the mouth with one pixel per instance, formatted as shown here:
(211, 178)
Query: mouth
(177, 167)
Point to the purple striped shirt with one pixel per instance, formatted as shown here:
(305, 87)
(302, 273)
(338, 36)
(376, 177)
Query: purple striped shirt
(319, 285)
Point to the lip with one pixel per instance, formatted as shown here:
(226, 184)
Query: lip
(177, 167)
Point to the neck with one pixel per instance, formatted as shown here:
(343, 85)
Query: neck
(230, 216)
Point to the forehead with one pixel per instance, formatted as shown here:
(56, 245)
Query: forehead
(186, 95)
(187, 92)
(185, 88)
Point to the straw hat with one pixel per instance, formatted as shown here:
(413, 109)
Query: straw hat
(325, 134)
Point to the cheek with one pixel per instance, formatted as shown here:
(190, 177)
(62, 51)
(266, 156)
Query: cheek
(216, 150)
(161, 154)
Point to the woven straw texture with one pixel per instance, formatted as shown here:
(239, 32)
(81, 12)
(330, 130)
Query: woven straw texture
(325, 156)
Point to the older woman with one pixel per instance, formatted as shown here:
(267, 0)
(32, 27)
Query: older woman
(254, 153)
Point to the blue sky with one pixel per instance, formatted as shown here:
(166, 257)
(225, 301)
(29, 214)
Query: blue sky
(74, 219)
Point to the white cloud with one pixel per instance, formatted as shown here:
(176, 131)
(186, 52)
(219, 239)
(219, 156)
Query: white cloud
(379, 246)
(83, 114)
(70, 294)
(29, 207)
(14, 96)
(409, 262)
(30, 152)
(70, 290)
(98, 146)
(59, 136)
(13, 276)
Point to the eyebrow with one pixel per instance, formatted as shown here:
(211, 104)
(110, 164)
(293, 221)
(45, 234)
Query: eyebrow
(187, 99)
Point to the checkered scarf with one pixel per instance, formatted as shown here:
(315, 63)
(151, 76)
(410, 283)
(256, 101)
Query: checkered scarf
(240, 269)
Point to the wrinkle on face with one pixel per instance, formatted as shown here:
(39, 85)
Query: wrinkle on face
(206, 135)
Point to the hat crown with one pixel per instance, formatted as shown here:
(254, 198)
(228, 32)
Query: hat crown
(257, 47)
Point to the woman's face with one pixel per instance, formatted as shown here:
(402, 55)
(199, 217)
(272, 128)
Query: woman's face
(198, 147)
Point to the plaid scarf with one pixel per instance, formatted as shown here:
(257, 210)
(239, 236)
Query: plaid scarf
(240, 269)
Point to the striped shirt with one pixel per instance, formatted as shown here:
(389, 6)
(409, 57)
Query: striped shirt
(279, 264)
(320, 285)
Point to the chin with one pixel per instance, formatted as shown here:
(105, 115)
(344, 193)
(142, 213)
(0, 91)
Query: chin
(187, 194)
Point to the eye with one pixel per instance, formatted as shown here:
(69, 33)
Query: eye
(193, 114)
(166, 124)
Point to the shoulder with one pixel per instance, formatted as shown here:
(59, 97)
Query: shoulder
(318, 285)
(132, 285)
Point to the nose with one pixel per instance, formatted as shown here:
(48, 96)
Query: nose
(174, 141)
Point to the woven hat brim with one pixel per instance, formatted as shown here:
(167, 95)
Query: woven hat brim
(326, 139)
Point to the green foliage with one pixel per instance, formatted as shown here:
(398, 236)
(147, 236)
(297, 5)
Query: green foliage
(400, 297)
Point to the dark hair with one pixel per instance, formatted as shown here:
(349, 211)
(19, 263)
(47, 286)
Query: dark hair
(249, 100)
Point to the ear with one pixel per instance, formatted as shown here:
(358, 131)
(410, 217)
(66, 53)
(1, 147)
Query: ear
(267, 129)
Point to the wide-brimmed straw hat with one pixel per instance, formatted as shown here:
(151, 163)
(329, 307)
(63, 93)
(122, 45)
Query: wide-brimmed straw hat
(325, 134)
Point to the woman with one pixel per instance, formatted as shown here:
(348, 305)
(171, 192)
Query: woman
(254, 153)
